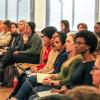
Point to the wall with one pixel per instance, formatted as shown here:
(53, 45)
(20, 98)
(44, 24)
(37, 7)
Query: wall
(40, 14)
(99, 12)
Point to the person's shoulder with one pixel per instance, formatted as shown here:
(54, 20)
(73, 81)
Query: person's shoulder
(36, 35)
(7, 33)
(64, 53)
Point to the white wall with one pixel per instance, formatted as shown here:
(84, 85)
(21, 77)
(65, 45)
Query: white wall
(99, 12)
(40, 14)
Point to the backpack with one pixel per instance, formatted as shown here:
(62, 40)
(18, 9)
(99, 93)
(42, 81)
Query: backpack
(9, 73)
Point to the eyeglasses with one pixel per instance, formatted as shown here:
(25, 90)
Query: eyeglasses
(79, 43)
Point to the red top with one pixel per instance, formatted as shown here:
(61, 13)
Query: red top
(44, 57)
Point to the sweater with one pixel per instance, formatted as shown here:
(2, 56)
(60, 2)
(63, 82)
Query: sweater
(81, 75)
(64, 74)
(34, 45)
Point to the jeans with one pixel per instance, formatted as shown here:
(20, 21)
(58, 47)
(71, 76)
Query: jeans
(26, 88)
(29, 87)
(21, 80)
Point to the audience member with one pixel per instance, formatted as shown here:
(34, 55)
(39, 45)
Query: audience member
(97, 32)
(64, 25)
(47, 47)
(81, 27)
(7, 25)
(5, 37)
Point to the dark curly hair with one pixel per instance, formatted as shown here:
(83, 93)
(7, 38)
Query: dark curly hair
(90, 39)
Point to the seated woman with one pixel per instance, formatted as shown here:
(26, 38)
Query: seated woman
(76, 59)
(97, 32)
(65, 26)
(47, 47)
(81, 27)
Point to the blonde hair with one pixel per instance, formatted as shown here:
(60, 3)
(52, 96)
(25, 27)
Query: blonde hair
(73, 35)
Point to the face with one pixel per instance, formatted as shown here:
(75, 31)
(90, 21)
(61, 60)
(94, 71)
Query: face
(1, 24)
(62, 27)
(70, 45)
(21, 26)
(81, 28)
(13, 28)
(57, 44)
(53, 38)
(96, 73)
(97, 29)
(81, 46)
(46, 40)
(29, 30)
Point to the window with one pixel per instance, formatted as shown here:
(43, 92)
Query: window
(55, 15)
(17, 9)
(2, 9)
(75, 11)
(84, 11)
(12, 10)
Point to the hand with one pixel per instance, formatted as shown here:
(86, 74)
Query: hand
(47, 81)
(25, 38)
(56, 83)
(54, 90)
(4, 51)
(33, 69)
(63, 90)
(40, 71)
(53, 76)
(16, 52)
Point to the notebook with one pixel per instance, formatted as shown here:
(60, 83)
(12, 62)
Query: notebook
(41, 77)
(45, 93)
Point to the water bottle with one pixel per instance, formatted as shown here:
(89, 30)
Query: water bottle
(15, 81)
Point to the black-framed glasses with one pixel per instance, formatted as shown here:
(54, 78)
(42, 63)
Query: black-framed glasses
(79, 43)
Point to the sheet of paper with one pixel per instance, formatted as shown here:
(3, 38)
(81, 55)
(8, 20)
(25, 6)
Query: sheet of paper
(41, 77)
(46, 93)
